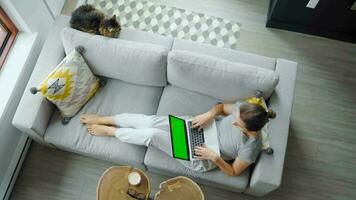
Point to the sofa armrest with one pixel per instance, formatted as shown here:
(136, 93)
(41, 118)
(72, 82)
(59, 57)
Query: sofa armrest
(34, 112)
(267, 173)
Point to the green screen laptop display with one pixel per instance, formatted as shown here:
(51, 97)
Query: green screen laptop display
(180, 147)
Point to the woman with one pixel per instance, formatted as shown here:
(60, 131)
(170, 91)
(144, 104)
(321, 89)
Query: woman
(238, 134)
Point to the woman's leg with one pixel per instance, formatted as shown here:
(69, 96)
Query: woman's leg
(145, 121)
(123, 120)
(148, 131)
(102, 130)
(140, 136)
(143, 136)
(96, 119)
(128, 120)
(133, 120)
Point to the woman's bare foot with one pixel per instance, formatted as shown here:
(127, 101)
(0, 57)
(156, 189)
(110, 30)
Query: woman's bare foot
(96, 129)
(96, 119)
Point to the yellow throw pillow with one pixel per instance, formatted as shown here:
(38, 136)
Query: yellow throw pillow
(70, 85)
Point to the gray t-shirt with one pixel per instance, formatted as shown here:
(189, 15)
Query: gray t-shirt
(233, 143)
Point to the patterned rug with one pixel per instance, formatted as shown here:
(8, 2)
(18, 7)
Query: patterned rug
(172, 22)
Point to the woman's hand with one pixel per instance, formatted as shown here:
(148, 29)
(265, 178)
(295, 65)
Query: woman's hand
(203, 120)
(206, 153)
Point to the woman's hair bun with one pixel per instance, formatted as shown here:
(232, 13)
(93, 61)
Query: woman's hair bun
(271, 114)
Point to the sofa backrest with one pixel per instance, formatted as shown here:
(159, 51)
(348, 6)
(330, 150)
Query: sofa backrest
(225, 53)
(130, 61)
(219, 78)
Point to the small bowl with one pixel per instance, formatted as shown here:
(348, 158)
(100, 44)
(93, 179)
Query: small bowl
(134, 178)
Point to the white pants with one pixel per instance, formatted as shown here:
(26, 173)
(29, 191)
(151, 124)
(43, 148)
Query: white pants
(153, 130)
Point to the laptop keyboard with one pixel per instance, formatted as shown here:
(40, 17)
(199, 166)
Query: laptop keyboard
(196, 137)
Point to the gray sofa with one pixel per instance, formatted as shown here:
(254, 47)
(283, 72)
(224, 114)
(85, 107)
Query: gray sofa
(39, 119)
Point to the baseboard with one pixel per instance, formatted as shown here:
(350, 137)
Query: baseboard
(14, 167)
(311, 30)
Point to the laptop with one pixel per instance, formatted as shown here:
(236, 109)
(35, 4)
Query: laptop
(184, 138)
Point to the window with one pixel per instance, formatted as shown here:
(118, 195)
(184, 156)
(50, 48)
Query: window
(8, 33)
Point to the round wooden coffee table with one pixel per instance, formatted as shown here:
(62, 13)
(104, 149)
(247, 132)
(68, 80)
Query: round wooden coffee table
(114, 185)
(179, 188)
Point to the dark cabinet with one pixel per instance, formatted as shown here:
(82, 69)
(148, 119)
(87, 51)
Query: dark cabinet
(330, 18)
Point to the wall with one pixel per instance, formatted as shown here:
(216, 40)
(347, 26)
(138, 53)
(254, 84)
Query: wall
(35, 14)
(13, 78)
(33, 19)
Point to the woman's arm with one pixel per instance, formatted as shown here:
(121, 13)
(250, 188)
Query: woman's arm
(227, 108)
(222, 109)
(237, 167)
(204, 119)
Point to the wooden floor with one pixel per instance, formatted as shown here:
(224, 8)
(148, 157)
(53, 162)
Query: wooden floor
(321, 155)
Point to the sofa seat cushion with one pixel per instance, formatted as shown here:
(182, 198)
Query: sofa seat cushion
(219, 78)
(116, 97)
(182, 102)
(158, 161)
(131, 61)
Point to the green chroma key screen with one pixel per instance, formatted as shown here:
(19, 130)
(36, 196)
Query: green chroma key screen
(179, 138)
